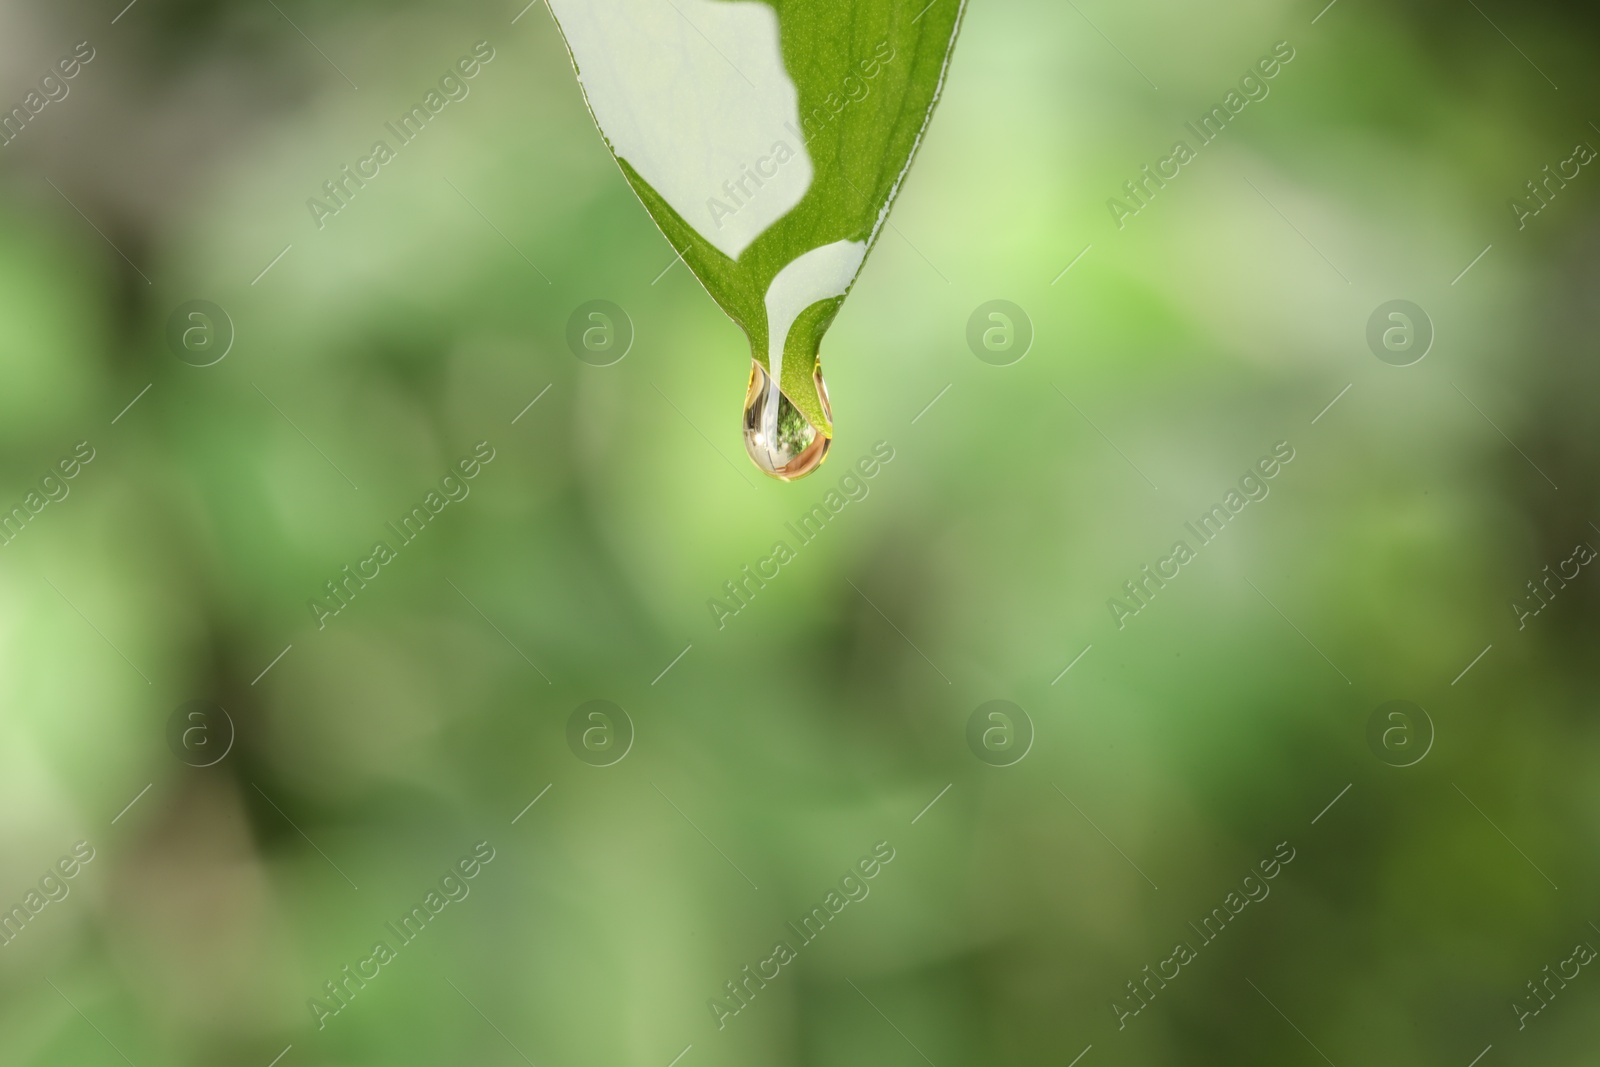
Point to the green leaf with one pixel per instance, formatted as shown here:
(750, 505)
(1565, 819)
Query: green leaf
(767, 139)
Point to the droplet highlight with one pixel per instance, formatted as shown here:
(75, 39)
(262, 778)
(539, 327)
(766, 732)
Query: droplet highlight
(779, 439)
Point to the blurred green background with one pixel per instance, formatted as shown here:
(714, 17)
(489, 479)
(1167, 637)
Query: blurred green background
(373, 753)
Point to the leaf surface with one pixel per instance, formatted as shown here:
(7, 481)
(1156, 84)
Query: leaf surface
(767, 139)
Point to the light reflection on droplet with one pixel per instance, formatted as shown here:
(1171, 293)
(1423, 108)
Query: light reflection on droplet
(780, 440)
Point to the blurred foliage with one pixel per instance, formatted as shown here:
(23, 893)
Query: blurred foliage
(426, 715)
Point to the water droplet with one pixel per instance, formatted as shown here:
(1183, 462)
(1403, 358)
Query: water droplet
(781, 441)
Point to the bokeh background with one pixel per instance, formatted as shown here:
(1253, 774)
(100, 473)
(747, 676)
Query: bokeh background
(369, 754)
